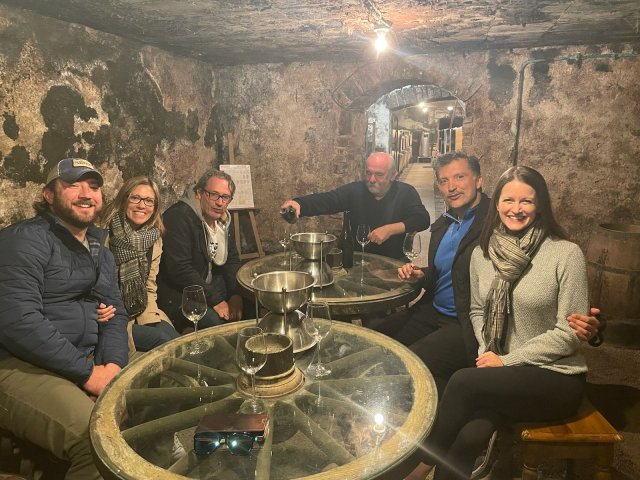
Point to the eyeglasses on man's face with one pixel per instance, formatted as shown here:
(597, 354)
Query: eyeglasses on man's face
(148, 201)
(215, 196)
(238, 443)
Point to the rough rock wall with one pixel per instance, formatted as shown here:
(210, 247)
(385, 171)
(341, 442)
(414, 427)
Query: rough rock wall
(66, 90)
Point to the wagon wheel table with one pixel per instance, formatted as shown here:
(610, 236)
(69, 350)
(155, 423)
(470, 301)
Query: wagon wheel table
(358, 290)
(366, 417)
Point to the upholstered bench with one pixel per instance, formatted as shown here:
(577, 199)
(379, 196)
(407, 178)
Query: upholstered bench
(587, 436)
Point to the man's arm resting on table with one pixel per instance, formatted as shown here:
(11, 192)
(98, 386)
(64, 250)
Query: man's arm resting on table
(382, 234)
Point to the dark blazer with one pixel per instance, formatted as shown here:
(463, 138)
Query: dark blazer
(459, 271)
(185, 261)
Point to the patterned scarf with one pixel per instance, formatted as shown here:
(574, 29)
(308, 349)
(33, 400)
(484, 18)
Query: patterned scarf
(510, 255)
(130, 248)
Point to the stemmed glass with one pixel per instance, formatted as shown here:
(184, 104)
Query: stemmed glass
(317, 323)
(412, 246)
(194, 307)
(285, 241)
(362, 237)
(251, 355)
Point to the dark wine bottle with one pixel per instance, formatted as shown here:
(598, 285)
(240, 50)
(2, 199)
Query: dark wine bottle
(289, 215)
(346, 241)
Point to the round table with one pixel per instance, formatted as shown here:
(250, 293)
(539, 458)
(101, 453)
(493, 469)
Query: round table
(324, 430)
(368, 288)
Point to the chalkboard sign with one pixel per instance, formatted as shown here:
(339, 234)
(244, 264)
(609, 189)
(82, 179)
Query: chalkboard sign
(241, 175)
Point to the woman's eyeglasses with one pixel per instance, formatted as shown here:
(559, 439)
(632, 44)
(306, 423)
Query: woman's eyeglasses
(238, 443)
(148, 202)
(215, 196)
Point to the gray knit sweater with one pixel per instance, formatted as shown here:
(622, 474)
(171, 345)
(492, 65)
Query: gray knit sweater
(553, 286)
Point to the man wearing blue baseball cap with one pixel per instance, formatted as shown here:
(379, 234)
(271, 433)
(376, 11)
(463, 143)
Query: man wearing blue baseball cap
(55, 359)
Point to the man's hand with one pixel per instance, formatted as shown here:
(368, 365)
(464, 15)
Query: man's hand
(235, 308)
(99, 378)
(409, 272)
(291, 203)
(489, 359)
(381, 234)
(105, 313)
(586, 327)
(222, 309)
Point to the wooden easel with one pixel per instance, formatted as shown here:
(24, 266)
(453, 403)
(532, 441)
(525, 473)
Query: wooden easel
(236, 218)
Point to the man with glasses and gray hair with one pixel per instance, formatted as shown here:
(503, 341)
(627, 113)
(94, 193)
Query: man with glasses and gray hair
(200, 249)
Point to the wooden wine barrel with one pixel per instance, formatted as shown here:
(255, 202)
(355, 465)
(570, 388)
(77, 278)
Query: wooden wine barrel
(613, 268)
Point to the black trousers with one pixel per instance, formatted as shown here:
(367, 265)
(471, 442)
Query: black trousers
(477, 401)
(435, 338)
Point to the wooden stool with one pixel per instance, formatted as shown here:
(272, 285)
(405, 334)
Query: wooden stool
(588, 435)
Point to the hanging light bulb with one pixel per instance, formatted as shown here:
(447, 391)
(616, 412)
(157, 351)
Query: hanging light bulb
(381, 43)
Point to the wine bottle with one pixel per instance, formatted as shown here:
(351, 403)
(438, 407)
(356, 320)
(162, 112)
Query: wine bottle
(346, 241)
(289, 215)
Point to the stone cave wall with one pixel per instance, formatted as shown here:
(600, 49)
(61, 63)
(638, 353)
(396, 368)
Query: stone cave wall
(66, 90)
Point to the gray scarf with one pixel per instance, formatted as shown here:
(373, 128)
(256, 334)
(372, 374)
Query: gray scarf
(129, 249)
(510, 255)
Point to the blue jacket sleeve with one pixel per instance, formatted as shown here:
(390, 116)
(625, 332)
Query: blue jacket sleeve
(113, 344)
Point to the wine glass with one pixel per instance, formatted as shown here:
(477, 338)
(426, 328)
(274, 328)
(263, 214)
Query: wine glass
(251, 355)
(285, 241)
(194, 307)
(362, 237)
(317, 323)
(412, 246)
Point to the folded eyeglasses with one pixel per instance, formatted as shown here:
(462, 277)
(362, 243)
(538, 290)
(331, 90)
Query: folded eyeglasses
(238, 443)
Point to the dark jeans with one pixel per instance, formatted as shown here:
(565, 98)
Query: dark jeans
(149, 336)
(435, 338)
(477, 401)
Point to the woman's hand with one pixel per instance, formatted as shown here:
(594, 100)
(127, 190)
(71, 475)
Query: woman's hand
(410, 272)
(105, 313)
(489, 359)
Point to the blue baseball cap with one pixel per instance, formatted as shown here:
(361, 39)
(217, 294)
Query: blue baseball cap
(71, 170)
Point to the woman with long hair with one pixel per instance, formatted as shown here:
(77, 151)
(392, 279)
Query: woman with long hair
(135, 239)
(526, 278)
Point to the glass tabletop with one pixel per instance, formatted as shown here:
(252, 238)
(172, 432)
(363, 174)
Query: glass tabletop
(367, 416)
(369, 286)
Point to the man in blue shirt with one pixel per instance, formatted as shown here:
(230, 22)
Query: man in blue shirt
(438, 328)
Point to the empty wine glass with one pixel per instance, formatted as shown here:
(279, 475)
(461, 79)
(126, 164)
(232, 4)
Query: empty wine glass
(362, 237)
(251, 355)
(317, 323)
(194, 307)
(285, 241)
(412, 246)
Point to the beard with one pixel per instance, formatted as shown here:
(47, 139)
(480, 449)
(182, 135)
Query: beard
(66, 213)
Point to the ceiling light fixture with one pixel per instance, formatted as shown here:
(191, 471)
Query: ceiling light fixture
(381, 26)
(381, 42)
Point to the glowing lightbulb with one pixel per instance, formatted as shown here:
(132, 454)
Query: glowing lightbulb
(381, 43)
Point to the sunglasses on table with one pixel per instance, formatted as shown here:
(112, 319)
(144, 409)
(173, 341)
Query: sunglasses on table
(238, 443)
